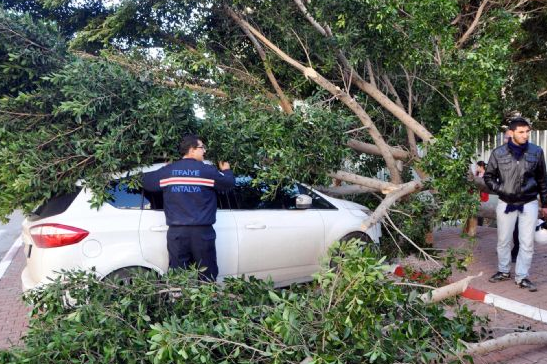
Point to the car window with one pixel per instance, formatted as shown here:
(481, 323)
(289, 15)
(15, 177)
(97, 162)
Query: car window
(318, 202)
(123, 196)
(152, 200)
(57, 204)
(249, 197)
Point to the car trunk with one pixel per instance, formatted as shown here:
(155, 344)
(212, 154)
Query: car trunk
(35, 257)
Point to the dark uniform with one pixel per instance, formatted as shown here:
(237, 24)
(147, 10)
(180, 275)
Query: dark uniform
(190, 206)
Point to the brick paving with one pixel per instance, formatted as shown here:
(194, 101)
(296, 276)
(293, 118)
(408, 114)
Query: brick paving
(14, 315)
(13, 312)
(502, 322)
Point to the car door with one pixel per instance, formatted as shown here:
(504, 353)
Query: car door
(153, 235)
(276, 240)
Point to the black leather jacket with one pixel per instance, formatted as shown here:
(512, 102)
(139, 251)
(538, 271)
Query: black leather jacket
(517, 182)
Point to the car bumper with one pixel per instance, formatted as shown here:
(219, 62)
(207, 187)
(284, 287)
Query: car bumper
(27, 281)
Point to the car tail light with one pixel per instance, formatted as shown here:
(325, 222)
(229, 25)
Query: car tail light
(56, 235)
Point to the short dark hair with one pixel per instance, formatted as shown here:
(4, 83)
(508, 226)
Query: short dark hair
(481, 164)
(517, 121)
(187, 142)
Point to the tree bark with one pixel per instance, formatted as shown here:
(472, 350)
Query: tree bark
(448, 291)
(345, 190)
(371, 183)
(389, 200)
(503, 342)
(374, 150)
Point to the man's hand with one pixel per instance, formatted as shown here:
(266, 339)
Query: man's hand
(225, 165)
(544, 212)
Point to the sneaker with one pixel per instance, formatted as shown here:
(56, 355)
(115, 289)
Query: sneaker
(525, 283)
(500, 276)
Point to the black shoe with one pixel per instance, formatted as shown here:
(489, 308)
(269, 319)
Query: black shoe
(500, 276)
(525, 283)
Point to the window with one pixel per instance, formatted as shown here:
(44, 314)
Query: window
(57, 204)
(226, 200)
(124, 197)
(249, 197)
(318, 202)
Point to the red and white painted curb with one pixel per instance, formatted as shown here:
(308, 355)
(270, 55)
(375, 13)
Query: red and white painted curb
(8, 258)
(506, 304)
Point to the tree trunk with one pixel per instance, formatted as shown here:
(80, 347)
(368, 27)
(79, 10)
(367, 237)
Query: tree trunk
(470, 227)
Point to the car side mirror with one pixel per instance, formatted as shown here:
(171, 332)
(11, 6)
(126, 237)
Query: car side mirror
(303, 202)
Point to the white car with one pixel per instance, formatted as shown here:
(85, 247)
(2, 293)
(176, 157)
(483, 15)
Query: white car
(255, 237)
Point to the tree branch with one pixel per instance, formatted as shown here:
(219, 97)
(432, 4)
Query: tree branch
(448, 291)
(136, 69)
(503, 342)
(283, 100)
(374, 150)
(389, 200)
(473, 25)
(371, 183)
(371, 73)
(349, 101)
(345, 190)
(367, 87)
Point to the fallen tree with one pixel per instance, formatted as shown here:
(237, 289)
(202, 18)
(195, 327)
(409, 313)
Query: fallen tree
(354, 312)
(287, 92)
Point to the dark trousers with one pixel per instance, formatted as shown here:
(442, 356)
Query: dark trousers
(189, 245)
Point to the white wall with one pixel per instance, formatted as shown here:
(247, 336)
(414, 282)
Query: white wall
(538, 137)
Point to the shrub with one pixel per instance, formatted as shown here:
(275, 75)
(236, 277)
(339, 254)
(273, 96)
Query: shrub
(352, 313)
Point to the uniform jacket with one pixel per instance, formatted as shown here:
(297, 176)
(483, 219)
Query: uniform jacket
(517, 181)
(188, 187)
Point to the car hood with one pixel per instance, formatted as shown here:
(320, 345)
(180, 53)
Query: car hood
(352, 205)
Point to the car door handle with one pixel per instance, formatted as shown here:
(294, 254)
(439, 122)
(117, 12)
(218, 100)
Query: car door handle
(160, 228)
(255, 226)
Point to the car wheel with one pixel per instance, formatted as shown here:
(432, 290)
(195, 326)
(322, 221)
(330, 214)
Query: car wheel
(124, 276)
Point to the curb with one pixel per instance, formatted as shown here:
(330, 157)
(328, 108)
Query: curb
(535, 313)
(8, 258)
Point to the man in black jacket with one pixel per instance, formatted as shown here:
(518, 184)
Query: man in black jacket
(190, 205)
(516, 173)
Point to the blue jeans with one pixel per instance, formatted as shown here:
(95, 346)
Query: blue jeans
(527, 227)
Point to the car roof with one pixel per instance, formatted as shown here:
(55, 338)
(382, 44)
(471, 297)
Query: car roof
(143, 169)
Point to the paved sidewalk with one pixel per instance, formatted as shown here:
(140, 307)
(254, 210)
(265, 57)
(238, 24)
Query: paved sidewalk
(502, 322)
(13, 313)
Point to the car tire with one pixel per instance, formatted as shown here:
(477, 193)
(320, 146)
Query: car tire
(124, 276)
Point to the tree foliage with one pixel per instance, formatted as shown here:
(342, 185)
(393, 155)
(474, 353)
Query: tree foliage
(283, 87)
(350, 314)
(65, 118)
